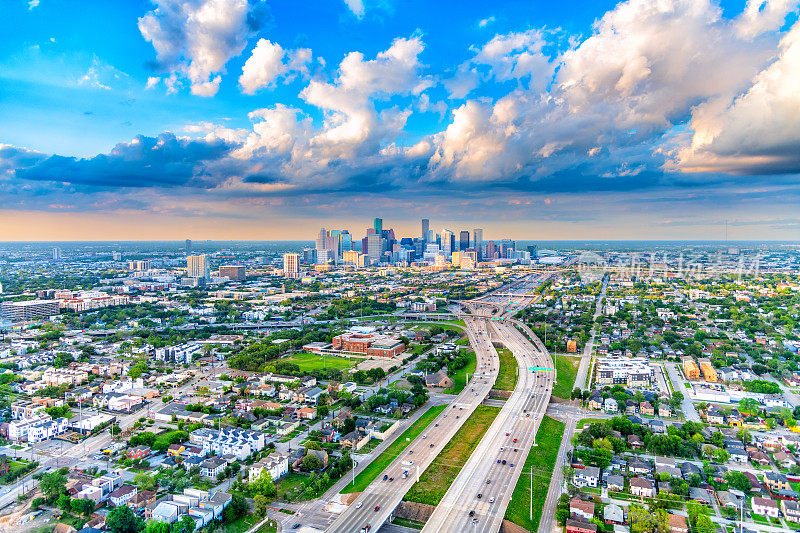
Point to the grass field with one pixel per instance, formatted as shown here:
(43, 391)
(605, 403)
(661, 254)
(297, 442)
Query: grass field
(379, 464)
(567, 367)
(311, 361)
(460, 377)
(542, 458)
(436, 479)
(507, 375)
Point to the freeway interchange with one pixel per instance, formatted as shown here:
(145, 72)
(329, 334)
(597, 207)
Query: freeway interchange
(478, 497)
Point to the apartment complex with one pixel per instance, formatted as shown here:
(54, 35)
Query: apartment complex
(29, 310)
(371, 344)
(633, 372)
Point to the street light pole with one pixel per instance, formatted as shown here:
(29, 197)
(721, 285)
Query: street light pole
(531, 495)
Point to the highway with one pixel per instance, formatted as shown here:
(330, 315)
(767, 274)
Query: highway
(509, 439)
(374, 506)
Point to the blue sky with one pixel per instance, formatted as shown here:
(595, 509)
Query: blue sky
(251, 119)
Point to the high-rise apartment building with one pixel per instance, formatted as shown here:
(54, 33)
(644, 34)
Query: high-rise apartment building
(309, 256)
(291, 265)
(477, 242)
(351, 257)
(447, 239)
(233, 272)
(56, 254)
(426, 226)
(28, 310)
(139, 266)
(463, 241)
(198, 266)
(322, 239)
(188, 247)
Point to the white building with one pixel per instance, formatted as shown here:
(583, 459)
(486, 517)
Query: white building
(276, 464)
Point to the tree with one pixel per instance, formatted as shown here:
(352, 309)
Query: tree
(144, 481)
(82, 506)
(749, 406)
(53, 485)
(184, 525)
(738, 481)
(122, 520)
(311, 462)
(235, 510)
(261, 503)
(63, 502)
(263, 485)
(156, 526)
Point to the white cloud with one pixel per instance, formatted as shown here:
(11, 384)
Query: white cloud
(198, 37)
(263, 67)
(485, 22)
(152, 81)
(761, 16)
(517, 55)
(100, 75)
(758, 130)
(32, 4)
(356, 6)
(266, 64)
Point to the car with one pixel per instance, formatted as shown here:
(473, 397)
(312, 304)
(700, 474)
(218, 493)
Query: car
(502, 448)
(456, 417)
(431, 445)
(504, 461)
(480, 495)
(391, 479)
(358, 505)
(511, 465)
(515, 440)
(488, 481)
(498, 461)
(472, 513)
(424, 436)
(474, 520)
(515, 449)
(507, 434)
(385, 477)
(296, 526)
(410, 451)
(436, 425)
(491, 500)
(377, 508)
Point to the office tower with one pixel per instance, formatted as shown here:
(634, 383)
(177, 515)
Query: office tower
(447, 239)
(56, 254)
(333, 242)
(374, 247)
(291, 265)
(426, 226)
(351, 257)
(309, 256)
(456, 260)
(378, 225)
(431, 236)
(533, 250)
(346, 242)
(197, 266)
(188, 246)
(490, 250)
(116, 256)
(139, 266)
(463, 241)
(477, 242)
(233, 272)
(321, 239)
(28, 310)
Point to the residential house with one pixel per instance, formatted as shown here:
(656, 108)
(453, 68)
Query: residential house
(275, 463)
(610, 405)
(764, 507)
(790, 510)
(581, 509)
(579, 526)
(587, 477)
(646, 409)
(775, 481)
(677, 524)
(615, 482)
(613, 514)
(212, 467)
(642, 487)
(121, 496)
(138, 452)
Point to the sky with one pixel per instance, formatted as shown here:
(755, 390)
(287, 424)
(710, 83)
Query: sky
(250, 119)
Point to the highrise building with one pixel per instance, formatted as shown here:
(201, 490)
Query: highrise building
(447, 239)
(198, 266)
(477, 242)
(188, 247)
(351, 257)
(322, 239)
(374, 247)
(463, 241)
(346, 243)
(378, 225)
(309, 256)
(426, 226)
(291, 265)
(533, 250)
(56, 254)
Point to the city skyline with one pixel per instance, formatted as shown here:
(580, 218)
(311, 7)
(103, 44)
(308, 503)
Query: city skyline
(242, 119)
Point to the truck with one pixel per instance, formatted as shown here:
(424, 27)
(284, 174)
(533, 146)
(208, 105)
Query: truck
(408, 463)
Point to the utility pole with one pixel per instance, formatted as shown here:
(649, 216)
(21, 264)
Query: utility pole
(531, 494)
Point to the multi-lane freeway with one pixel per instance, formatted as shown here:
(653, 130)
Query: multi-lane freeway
(374, 506)
(478, 498)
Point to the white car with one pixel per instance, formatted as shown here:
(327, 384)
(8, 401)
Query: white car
(491, 500)
(358, 505)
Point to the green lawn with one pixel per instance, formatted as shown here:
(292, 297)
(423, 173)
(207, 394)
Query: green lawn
(246, 522)
(379, 464)
(507, 374)
(311, 361)
(289, 483)
(588, 421)
(542, 458)
(436, 479)
(460, 377)
(567, 368)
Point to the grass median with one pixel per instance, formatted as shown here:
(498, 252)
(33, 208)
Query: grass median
(507, 374)
(460, 376)
(567, 367)
(437, 478)
(379, 464)
(542, 458)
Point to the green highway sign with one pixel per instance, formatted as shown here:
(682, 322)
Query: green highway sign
(541, 368)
